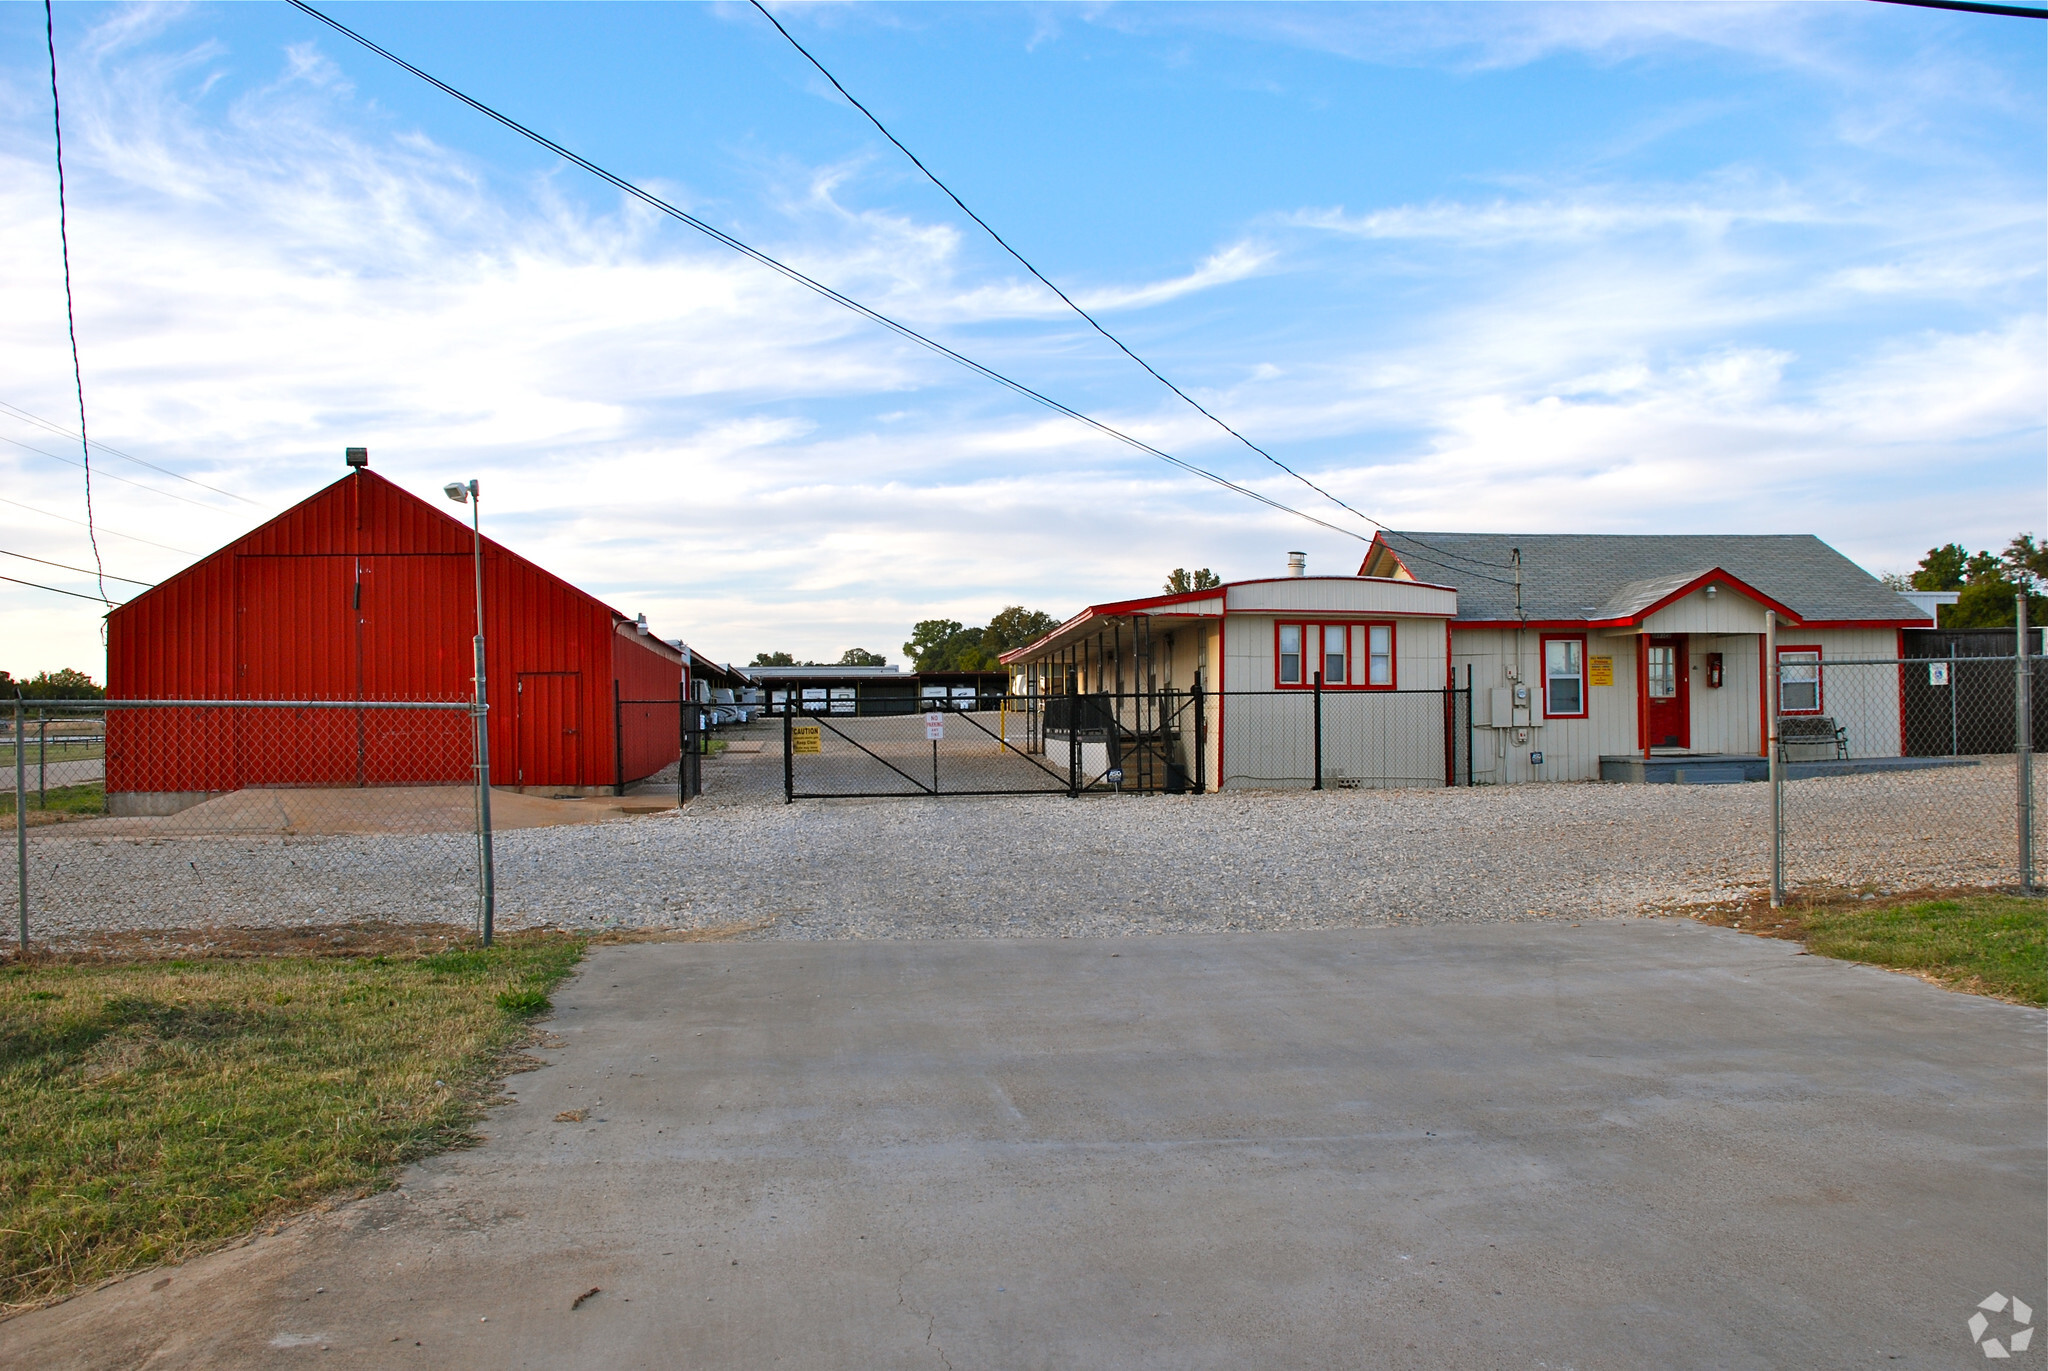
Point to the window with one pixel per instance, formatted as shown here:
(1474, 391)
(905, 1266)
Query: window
(1379, 654)
(1349, 656)
(1661, 666)
(1564, 678)
(1799, 680)
(1334, 656)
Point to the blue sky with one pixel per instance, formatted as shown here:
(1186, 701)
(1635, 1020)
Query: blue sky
(1604, 268)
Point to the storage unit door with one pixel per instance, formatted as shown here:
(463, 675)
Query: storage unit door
(549, 750)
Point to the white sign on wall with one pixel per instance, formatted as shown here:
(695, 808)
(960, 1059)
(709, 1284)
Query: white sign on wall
(935, 726)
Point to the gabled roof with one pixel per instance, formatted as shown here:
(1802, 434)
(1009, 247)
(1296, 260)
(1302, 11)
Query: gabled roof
(1618, 577)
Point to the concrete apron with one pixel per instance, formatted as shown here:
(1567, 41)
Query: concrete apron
(1623, 1145)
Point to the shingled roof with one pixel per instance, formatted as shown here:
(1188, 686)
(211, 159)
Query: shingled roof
(1614, 575)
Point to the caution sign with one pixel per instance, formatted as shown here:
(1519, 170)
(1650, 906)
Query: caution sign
(1600, 670)
(804, 738)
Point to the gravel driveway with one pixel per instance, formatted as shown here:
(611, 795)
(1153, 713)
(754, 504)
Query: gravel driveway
(739, 859)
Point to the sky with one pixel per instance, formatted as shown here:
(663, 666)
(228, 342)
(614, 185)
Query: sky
(1632, 267)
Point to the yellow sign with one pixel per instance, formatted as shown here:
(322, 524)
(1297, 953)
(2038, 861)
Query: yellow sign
(1600, 670)
(805, 738)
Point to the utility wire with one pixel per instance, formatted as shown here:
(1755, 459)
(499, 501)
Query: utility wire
(901, 329)
(2016, 11)
(70, 314)
(108, 476)
(100, 599)
(1068, 300)
(41, 422)
(79, 569)
(111, 533)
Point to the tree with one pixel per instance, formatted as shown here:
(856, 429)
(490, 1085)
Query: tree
(860, 656)
(1942, 568)
(949, 645)
(66, 683)
(2026, 563)
(1181, 580)
(1015, 627)
(1990, 582)
(775, 659)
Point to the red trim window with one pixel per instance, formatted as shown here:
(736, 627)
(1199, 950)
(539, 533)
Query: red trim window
(1350, 656)
(1564, 676)
(1799, 688)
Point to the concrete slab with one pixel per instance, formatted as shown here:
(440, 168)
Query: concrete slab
(375, 809)
(1624, 1145)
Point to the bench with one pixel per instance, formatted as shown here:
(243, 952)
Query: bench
(1811, 730)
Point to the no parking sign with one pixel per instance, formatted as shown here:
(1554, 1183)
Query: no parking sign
(935, 726)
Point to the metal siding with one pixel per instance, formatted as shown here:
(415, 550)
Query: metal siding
(279, 601)
(1342, 595)
(648, 736)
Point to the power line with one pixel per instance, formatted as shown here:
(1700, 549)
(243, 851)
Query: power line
(96, 599)
(79, 569)
(108, 476)
(67, 519)
(1068, 300)
(901, 329)
(61, 432)
(2016, 11)
(70, 314)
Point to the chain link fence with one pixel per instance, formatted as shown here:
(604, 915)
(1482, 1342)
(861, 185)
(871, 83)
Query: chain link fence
(271, 812)
(1906, 772)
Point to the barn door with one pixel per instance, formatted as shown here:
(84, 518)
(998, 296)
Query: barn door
(295, 640)
(548, 749)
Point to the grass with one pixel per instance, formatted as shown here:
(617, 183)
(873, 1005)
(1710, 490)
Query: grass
(68, 800)
(1988, 944)
(149, 1111)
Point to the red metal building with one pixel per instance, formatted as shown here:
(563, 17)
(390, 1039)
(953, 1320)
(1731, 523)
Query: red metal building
(366, 592)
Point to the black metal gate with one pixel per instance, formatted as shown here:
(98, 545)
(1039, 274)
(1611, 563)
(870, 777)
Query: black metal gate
(990, 747)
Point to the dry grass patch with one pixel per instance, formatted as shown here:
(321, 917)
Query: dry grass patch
(151, 1110)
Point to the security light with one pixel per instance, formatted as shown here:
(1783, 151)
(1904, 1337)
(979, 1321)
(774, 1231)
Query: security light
(457, 492)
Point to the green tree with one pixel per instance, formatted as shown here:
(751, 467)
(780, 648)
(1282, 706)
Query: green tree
(1990, 583)
(1942, 568)
(1014, 627)
(1180, 581)
(67, 683)
(775, 659)
(860, 656)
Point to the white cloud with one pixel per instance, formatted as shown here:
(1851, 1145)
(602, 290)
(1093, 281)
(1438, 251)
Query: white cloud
(687, 434)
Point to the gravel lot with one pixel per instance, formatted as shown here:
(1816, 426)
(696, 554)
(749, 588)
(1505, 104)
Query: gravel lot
(742, 861)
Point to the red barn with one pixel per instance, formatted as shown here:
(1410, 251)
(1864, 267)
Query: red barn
(364, 592)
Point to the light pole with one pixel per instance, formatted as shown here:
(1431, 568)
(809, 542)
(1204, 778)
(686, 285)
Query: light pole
(480, 711)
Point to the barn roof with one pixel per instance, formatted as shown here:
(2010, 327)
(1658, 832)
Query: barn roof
(1611, 576)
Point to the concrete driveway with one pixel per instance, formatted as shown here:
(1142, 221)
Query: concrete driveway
(1623, 1145)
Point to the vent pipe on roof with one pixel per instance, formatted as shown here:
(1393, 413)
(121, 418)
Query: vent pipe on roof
(641, 624)
(1297, 564)
(357, 456)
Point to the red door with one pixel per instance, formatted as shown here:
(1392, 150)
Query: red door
(549, 746)
(1670, 702)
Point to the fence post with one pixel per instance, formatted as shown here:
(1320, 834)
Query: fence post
(1318, 693)
(1201, 742)
(21, 830)
(1469, 739)
(788, 738)
(1770, 669)
(2023, 744)
(1073, 745)
(682, 744)
(43, 758)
